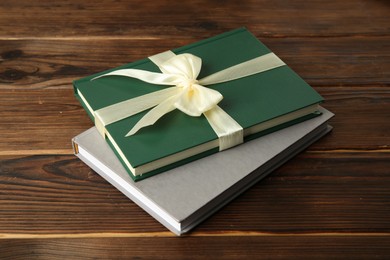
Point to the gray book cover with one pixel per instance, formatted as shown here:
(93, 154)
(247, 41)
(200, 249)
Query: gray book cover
(183, 197)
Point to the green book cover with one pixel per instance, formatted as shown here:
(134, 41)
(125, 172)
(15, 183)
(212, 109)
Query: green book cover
(250, 101)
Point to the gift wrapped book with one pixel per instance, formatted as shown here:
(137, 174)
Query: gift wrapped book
(181, 105)
(162, 113)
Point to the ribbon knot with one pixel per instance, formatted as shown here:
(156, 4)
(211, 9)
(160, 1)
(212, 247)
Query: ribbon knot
(187, 83)
(193, 98)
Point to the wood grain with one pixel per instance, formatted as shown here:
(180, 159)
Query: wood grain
(39, 121)
(168, 19)
(313, 193)
(271, 247)
(37, 64)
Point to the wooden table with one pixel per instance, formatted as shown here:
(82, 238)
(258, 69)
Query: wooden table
(331, 201)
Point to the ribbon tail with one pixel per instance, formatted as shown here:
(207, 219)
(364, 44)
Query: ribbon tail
(154, 114)
(124, 109)
(162, 57)
(229, 132)
(147, 76)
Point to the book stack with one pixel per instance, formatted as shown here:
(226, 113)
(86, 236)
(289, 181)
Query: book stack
(232, 113)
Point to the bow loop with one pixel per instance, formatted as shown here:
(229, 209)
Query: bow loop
(184, 65)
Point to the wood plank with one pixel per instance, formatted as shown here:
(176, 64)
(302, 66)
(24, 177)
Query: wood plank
(39, 121)
(167, 19)
(345, 61)
(315, 193)
(313, 247)
(361, 119)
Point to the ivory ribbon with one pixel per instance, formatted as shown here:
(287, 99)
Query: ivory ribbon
(188, 94)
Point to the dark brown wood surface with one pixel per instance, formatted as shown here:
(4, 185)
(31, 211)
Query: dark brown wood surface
(331, 201)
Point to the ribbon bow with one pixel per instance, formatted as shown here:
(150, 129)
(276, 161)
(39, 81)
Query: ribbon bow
(188, 94)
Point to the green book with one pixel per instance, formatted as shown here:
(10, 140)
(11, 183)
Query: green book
(260, 103)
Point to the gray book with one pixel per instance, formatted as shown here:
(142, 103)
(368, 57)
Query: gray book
(183, 197)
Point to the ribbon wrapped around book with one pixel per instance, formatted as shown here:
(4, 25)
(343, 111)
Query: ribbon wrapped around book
(188, 94)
